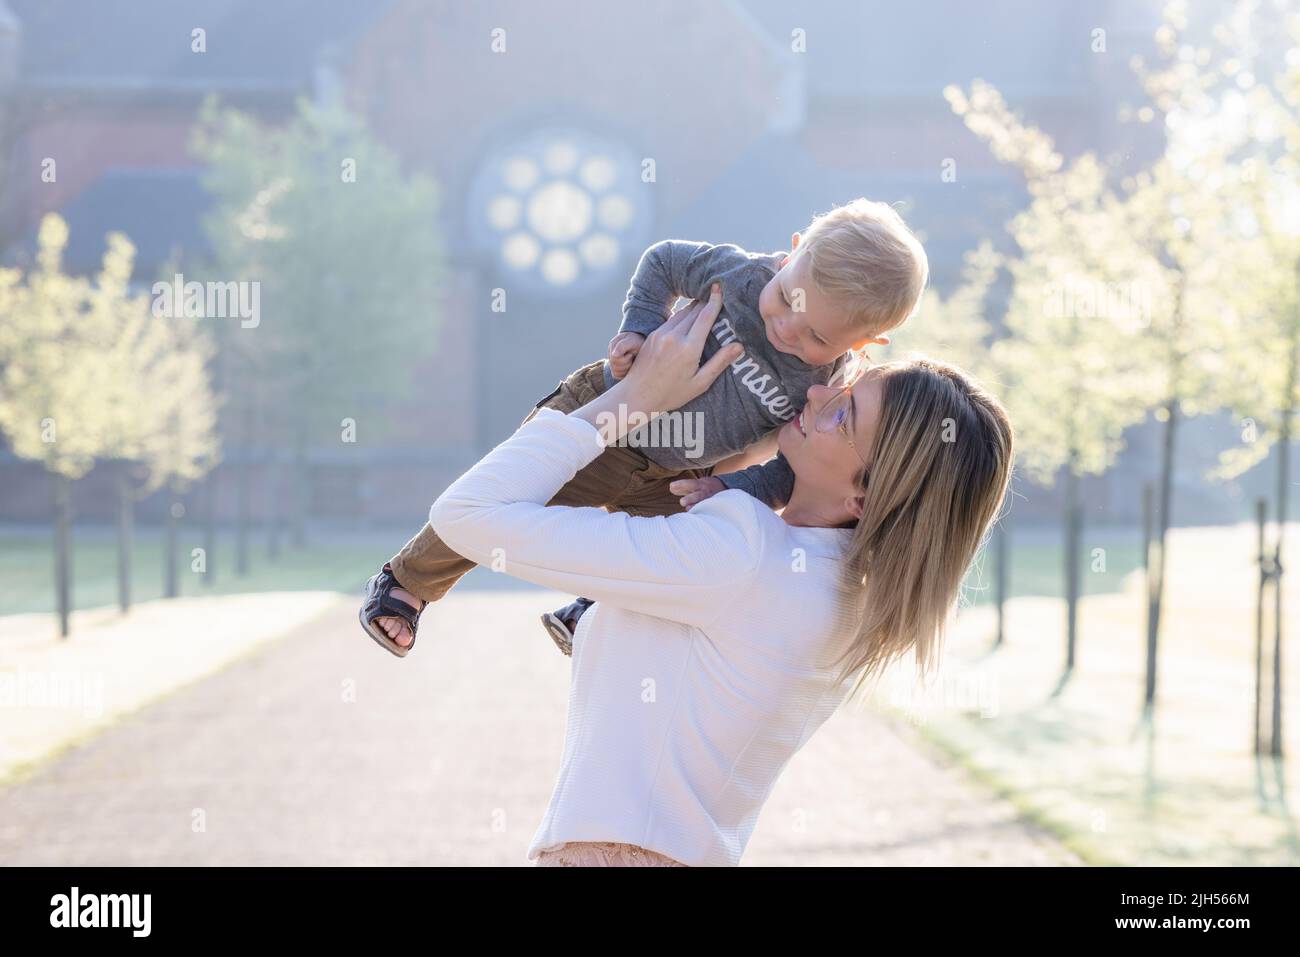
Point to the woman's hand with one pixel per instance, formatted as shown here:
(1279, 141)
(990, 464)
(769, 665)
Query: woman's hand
(667, 373)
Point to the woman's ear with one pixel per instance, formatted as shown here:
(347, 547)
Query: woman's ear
(794, 241)
(855, 504)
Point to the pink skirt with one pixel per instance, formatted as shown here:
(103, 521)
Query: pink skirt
(603, 854)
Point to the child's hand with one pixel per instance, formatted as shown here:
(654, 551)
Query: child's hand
(622, 350)
(694, 491)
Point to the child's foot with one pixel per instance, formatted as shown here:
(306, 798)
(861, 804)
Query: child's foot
(562, 623)
(389, 614)
(396, 628)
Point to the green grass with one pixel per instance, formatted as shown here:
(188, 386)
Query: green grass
(344, 562)
(329, 562)
(27, 568)
(1037, 566)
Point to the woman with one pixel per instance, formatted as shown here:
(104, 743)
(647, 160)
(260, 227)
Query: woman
(724, 636)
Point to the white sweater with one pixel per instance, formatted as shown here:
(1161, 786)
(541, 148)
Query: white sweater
(704, 665)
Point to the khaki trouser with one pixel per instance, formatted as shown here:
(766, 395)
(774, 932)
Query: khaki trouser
(620, 479)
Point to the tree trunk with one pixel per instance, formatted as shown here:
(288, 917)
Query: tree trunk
(1148, 525)
(1072, 536)
(210, 528)
(1164, 508)
(125, 530)
(170, 589)
(1159, 550)
(1283, 485)
(243, 492)
(63, 550)
(273, 500)
(1265, 574)
(302, 489)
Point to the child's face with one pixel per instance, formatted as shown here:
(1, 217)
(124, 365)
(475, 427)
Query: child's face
(801, 321)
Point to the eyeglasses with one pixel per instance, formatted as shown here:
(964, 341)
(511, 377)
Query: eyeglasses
(835, 415)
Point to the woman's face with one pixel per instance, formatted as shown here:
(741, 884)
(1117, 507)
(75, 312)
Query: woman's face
(823, 461)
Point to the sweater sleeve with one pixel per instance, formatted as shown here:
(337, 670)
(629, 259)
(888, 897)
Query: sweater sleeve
(686, 567)
(772, 482)
(678, 267)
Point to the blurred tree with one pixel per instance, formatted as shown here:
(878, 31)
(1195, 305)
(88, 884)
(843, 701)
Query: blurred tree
(954, 328)
(1186, 212)
(51, 382)
(1229, 94)
(1183, 228)
(87, 373)
(162, 413)
(1069, 364)
(345, 249)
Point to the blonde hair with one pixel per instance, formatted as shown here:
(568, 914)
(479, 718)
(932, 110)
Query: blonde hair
(940, 471)
(863, 256)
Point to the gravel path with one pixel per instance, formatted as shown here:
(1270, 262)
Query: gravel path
(323, 749)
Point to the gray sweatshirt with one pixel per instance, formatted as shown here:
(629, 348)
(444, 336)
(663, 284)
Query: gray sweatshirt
(760, 391)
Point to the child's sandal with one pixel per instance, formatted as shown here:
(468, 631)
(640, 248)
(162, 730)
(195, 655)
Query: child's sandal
(380, 603)
(562, 623)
